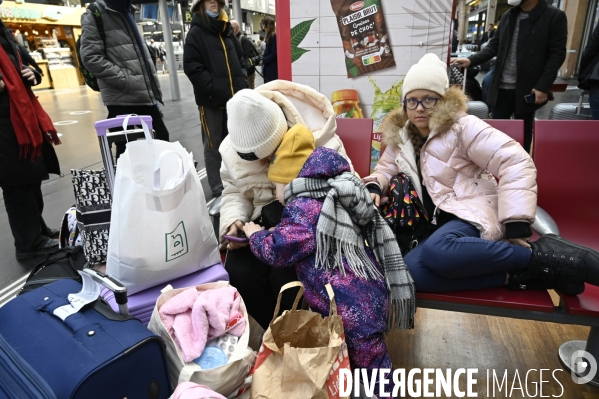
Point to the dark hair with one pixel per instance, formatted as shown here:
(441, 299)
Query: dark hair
(269, 27)
(199, 9)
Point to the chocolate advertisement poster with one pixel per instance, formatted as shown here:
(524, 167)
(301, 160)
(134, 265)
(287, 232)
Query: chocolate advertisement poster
(364, 35)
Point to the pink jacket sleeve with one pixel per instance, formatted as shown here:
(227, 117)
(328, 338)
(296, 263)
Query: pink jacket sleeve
(505, 159)
(385, 169)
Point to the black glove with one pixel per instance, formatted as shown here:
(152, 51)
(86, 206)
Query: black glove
(253, 61)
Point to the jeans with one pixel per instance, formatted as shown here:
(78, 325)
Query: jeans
(594, 102)
(214, 131)
(158, 125)
(455, 258)
(486, 85)
(259, 284)
(24, 205)
(505, 107)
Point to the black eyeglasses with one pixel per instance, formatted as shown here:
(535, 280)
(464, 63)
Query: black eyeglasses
(412, 103)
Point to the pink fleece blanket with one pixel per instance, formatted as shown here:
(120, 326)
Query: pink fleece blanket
(190, 390)
(194, 317)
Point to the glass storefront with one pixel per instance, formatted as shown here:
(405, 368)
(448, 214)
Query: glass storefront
(48, 33)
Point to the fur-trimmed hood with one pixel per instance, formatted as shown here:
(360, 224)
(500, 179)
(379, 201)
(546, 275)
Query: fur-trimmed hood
(453, 105)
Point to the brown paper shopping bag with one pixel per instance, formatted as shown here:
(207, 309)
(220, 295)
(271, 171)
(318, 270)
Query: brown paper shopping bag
(301, 354)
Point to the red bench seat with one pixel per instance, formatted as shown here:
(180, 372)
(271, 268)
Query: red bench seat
(499, 297)
(585, 304)
(567, 161)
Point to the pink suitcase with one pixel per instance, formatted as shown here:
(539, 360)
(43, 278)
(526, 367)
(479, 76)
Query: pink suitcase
(142, 303)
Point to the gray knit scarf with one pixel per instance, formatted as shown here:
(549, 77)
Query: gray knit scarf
(347, 215)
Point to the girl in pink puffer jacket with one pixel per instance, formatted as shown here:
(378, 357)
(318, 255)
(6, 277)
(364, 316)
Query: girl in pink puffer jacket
(478, 187)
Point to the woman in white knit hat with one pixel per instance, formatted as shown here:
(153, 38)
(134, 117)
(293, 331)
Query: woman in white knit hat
(475, 190)
(258, 120)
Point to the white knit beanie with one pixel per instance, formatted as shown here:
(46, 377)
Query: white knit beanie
(430, 73)
(256, 125)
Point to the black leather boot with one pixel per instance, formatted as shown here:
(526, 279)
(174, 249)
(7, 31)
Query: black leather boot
(560, 259)
(531, 279)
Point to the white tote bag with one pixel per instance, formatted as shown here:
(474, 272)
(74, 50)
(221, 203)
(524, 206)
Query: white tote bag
(230, 380)
(159, 227)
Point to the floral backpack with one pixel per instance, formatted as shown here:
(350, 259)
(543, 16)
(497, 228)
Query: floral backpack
(405, 213)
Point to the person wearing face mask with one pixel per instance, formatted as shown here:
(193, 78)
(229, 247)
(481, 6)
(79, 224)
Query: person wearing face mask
(123, 64)
(530, 46)
(214, 63)
(258, 120)
(479, 194)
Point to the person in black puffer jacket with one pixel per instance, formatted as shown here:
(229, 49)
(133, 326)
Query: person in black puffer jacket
(213, 62)
(26, 153)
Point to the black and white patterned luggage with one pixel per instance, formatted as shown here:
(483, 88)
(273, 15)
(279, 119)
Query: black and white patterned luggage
(572, 111)
(93, 202)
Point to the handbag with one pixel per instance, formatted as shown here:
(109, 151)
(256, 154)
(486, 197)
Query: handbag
(302, 353)
(160, 229)
(93, 203)
(405, 213)
(226, 380)
(63, 263)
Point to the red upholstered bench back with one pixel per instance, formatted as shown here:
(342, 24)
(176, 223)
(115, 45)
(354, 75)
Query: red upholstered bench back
(356, 135)
(566, 154)
(512, 127)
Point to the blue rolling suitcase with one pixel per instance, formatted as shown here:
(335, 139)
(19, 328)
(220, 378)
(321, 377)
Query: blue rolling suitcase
(93, 353)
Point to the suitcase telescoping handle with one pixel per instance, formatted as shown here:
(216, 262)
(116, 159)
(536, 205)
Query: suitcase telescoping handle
(120, 121)
(582, 94)
(120, 291)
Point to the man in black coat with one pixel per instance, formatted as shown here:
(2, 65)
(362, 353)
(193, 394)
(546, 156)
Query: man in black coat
(21, 176)
(488, 35)
(530, 45)
(250, 54)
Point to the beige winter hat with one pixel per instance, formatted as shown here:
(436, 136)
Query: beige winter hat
(430, 73)
(256, 125)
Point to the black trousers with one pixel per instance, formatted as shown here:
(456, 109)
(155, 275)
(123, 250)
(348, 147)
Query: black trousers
(214, 131)
(259, 284)
(24, 206)
(158, 125)
(505, 108)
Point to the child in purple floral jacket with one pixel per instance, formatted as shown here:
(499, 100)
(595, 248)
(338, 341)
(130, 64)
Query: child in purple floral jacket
(324, 205)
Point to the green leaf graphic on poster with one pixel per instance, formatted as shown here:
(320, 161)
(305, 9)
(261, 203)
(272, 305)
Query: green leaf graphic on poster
(297, 52)
(351, 67)
(298, 33)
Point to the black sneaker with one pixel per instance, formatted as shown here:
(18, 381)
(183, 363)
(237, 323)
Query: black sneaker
(562, 259)
(50, 246)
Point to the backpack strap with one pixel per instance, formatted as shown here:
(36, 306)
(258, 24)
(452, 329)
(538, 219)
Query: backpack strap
(93, 7)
